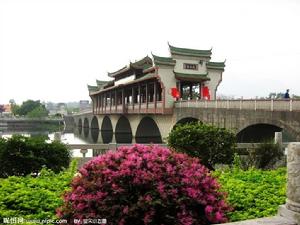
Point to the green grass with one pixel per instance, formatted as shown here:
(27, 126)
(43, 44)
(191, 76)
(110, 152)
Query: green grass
(34, 198)
(253, 193)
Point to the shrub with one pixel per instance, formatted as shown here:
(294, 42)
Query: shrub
(21, 155)
(263, 157)
(253, 193)
(211, 144)
(34, 197)
(145, 185)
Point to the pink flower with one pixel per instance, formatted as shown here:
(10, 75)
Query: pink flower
(126, 209)
(208, 209)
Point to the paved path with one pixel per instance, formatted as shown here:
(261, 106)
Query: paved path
(275, 220)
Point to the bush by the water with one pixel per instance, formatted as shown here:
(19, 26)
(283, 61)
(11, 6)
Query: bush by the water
(34, 197)
(265, 156)
(211, 144)
(145, 185)
(253, 193)
(20, 155)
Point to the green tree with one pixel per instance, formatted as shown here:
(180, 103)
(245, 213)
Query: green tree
(211, 144)
(39, 112)
(31, 109)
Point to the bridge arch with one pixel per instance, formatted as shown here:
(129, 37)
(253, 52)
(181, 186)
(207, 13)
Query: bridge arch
(123, 132)
(95, 129)
(258, 132)
(80, 126)
(148, 131)
(106, 130)
(86, 127)
(187, 120)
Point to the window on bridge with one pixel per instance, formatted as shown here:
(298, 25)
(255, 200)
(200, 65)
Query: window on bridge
(189, 90)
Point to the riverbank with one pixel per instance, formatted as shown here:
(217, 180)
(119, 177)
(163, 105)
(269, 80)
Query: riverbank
(17, 124)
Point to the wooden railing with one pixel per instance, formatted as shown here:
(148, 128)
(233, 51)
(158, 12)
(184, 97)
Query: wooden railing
(269, 105)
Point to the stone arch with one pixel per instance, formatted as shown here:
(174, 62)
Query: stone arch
(106, 130)
(86, 127)
(257, 132)
(123, 132)
(185, 120)
(95, 129)
(148, 131)
(80, 126)
(86, 123)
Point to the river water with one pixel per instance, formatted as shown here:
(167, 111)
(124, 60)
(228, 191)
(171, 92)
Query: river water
(66, 137)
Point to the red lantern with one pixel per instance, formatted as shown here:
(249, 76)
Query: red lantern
(175, 93)
(205, 93)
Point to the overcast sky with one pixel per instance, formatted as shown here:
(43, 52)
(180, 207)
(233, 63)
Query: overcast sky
(50, 50)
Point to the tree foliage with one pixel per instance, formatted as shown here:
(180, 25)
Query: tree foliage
(21, 155)
(31, 108)
(211, 144)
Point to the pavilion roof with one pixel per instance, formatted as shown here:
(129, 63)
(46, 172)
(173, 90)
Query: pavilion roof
(141, 64)
(190, 52)
(191, 76)
(216, 65)
(158, 60)
(143, 78)
(92, 88)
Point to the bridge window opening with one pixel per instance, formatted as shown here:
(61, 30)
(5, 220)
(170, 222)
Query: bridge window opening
(151, 92)
(189, 90)
(158, 92)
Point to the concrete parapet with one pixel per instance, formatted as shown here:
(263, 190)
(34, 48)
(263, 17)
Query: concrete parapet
(291, 209)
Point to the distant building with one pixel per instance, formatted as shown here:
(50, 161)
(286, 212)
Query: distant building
(57, 108)
(84, 104)
(152, 85)
(7, 108)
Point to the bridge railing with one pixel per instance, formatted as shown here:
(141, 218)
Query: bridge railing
(269, 105)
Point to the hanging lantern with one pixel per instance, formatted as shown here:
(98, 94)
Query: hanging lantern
(175, 93)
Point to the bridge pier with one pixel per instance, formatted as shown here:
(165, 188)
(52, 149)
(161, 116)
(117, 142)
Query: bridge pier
(291, 209)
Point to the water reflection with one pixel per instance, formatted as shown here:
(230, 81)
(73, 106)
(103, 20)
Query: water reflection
(107, 136)
(80, 130)
(95, 135)
(86, 132)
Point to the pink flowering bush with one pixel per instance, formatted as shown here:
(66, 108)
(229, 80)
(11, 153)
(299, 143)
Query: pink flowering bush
(145, 185)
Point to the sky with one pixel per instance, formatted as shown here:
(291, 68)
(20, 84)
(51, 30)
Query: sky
(51, 50)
